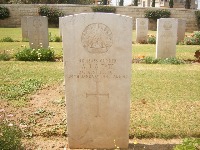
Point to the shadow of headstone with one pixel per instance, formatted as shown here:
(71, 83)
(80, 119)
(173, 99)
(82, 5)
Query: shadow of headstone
(151, 147)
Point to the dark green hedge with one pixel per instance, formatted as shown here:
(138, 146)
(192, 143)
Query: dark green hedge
(106, 9)
(4, 12)
(157, 14)
(53, 14)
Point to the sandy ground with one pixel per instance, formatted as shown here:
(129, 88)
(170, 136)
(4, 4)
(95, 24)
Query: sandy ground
(45, 118)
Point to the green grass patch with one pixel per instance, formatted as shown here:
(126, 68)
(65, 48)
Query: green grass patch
(16, 35)
(18, 79)
(189, 144)
(165, 101)
(164, 98)
(182, 51)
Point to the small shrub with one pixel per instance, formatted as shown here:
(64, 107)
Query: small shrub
(171, 3)
(53, 14)
(50, 37)
(197, 15)
(142, 42)
(197, 55)
(157, 14)
(4, 12)
(7, 39)
(4, 56)
(172, 60)
(193, 39)
(189, 144)
(175, 61)
(106, 9)
(55, 38)
(151, 60)
(10, 133)
(151, 39)
(29, 54)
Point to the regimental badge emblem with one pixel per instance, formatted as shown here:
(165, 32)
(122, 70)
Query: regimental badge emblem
(167, 25)
(97, 38)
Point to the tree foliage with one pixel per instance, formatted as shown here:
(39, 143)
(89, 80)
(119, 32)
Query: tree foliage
(187, 4)
(121, 3)
(153, 3)
(83, 2)
(135, 2)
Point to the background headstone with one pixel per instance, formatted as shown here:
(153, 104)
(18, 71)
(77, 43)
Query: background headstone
(141, 30)
(38, 32)
(166, 37)
(97, 64)
(198, 5)
(24, 27)
(181, 30)
(60, 26)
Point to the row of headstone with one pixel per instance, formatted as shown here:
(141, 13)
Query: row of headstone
(35, 29)
(169, 32)
(97, 64)
(142, 30)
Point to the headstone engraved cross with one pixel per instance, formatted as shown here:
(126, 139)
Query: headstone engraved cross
(97, 94)
(97, 64)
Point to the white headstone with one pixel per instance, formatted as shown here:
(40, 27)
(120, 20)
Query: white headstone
(181, 30)
(60, 26)
(198, 6)
(141, 30)
(38, 32)
(166, 37)
(97, 64)
(24, 27)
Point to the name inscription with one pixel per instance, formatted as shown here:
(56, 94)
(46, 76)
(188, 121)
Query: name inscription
(96, 69)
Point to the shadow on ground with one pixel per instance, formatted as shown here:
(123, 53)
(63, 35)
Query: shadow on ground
(151, 147)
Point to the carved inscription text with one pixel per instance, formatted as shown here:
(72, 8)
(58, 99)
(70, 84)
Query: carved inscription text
(96, 69)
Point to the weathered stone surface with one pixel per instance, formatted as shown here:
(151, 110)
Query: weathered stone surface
(141, 30)
(97, 64)
(38, 32)
(166, 37)
(60, 26)
(181, 30)
(198, 4)
(24, 27)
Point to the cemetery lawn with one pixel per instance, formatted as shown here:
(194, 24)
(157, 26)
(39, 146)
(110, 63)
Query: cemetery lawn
(165, 99)
(18, 79)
